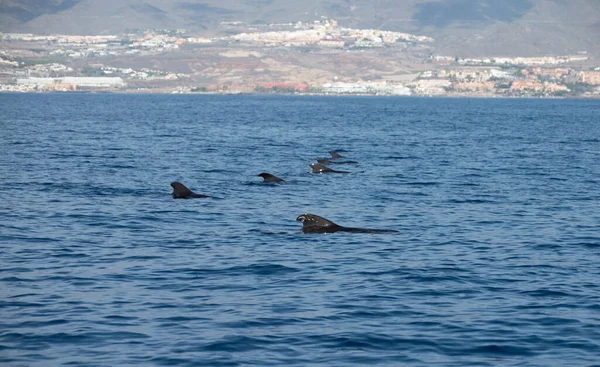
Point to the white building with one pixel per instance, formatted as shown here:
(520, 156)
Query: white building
(92, 82)
(381, 88)
(99, 81)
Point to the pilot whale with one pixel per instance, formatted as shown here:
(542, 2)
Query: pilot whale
(319, 168)
(312, 223)
(180, 191)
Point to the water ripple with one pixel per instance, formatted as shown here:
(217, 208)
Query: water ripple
(495, 262)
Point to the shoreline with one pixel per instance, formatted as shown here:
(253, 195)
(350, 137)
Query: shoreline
(171, 93)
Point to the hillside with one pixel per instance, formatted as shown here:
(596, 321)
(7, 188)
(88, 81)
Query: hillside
(460, 27)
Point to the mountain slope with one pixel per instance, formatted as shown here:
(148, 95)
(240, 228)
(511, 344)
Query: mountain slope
(461, 27)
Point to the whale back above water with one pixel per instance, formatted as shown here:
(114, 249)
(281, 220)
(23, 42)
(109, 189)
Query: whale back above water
(180, 191)
(312, 223)
(335, 155)
(319, 168)
(267, 177)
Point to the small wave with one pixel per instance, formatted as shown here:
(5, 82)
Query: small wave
(20, 304)
(260, 269)
(254, 269)
(85, 338)
(236, 344)
(402, 157)
(371, 341)
(40, 324)
(422, 183)
(546, 293)
(498, 350)
(261, 322)
(470, 201)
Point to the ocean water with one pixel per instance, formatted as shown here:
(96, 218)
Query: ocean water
(496, 262)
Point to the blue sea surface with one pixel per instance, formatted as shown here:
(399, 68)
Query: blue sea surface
(496, 262)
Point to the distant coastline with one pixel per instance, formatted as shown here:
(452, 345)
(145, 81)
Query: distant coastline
(318, 58)
(329, 95)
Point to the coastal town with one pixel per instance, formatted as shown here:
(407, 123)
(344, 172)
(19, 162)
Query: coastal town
(302, 58)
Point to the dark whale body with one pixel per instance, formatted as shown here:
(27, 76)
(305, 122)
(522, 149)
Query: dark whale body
(312, 223)
(267, 177)
(180, 191)
(319, 168)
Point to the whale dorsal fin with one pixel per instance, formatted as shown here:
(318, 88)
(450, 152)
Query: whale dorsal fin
(180, 191)
(267, 177)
